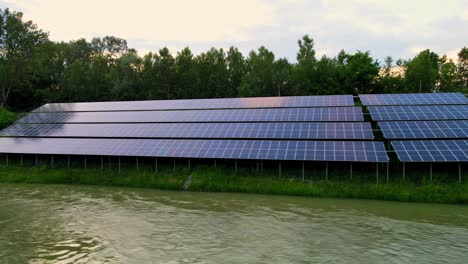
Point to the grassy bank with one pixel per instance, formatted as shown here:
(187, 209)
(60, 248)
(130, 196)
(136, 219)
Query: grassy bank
(226, 180)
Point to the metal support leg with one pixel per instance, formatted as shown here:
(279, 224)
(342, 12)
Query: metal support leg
(7, 159)
(388, 171)
(303, 174)
(102, 163)
(85, 162)
(189, 164)
(279, 168)
(137, 165)
(68, 161)
(377, 172)
(215, 163)
(351, 171)
(257, 166)
(119, 164)
(430, 171)
(326, 171)
(404, 172)
(37, 161)
(459, 173)
(261, 168)
(21, 160)
(156, 165)
(235, 165)
(52, 161)
(174, 166)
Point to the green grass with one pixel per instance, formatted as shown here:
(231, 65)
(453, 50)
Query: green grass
(6, 118)
(209, 179)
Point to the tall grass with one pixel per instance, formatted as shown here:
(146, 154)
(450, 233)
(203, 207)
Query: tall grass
(210, 179)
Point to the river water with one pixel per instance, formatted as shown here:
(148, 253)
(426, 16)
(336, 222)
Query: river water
(81, 224)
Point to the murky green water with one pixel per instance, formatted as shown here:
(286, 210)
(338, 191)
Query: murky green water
(70, 224)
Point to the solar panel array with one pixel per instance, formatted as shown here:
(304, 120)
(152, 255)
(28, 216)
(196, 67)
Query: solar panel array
(227, 103)
(436, 116)
(414, 99)
(357, 151)
(350, 130)
(276, 128)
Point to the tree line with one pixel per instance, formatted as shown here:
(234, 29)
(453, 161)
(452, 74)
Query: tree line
(35, 70)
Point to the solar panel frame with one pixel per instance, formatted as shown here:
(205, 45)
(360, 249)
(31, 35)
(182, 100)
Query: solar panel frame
(343, 151)
(191, 104)
(300, 130)
(333, 114)
(410, 113)
(431, 150)
(424, 129)
(413, 99)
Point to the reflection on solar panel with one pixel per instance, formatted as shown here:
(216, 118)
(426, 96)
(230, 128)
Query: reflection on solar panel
(432, 150)
(352, 130)
(427, 112)
(254, 102)
(413, 99)
(425, 129)
(218, 149)
(233, 115)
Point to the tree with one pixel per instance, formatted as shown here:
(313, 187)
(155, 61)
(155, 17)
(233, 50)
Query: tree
(258, 78)
(235, 70)
(462, 69)
(184, 74)
(390, 79)
(304, 73)
(212, 74)
(358, 72)
(423, 71)
(447, 75)
(109, 46)
(19, 42)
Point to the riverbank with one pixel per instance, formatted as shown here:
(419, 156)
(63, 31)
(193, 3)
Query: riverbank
(210, 179)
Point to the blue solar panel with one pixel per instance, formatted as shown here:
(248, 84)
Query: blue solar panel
(356, 151)
(231, 115)
(414, 99)
(228, 103)
(348, 130)
(425, 129)
(427, 112)
(432, 150)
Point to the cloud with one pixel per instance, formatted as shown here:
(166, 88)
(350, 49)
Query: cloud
(399, 28)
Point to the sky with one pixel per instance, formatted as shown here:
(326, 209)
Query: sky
(397, 28)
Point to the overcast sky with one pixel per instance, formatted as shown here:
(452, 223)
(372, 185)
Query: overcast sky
(400, 28)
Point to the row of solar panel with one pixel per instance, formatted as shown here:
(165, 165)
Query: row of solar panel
(414, 99)
(424, 129)
(349, 130)
(406, 113)
(178, 116)
(355, 151)
(432, 150)
(227, 103)
(261, 102)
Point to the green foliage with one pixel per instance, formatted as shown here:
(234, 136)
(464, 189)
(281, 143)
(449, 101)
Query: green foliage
(422, 72)
(6, 118)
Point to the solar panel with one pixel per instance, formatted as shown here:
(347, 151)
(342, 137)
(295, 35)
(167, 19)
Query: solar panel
(218, 149)
(231, 115)
(350, 130)
(432, 150)
(426, 112)
(254, 102)
(414, 99)
(425, 129)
